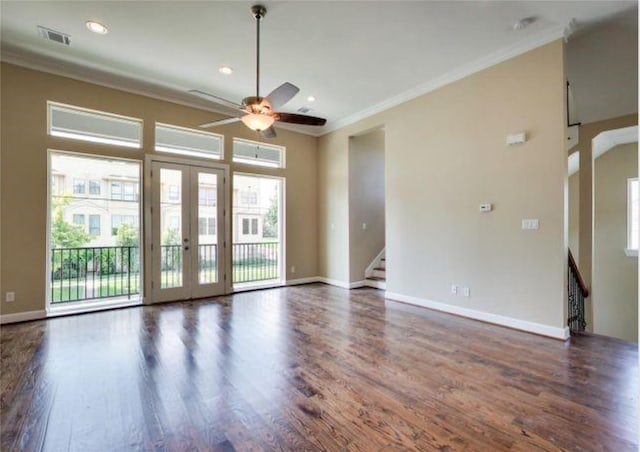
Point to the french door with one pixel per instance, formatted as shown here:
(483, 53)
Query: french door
(187, 229)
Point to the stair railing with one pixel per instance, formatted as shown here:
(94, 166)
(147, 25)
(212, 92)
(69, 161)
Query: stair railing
(578, 291)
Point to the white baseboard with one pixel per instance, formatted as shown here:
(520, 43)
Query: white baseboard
(523, 325)
(309, 280)
(343, 284)
(376, 284)
(22, 316)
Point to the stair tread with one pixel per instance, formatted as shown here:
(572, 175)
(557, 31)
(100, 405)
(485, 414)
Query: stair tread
(382, 269)
(377, 278)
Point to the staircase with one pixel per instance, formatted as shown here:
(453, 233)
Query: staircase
(376, 274)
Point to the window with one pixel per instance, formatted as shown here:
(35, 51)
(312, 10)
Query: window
(94, 224)
(261, 154)
(78, 218)
(57, 184)
(633, 219)
(94, 187)
(78, 186)
(254, 226)
(116, 190)
(124, 191)
(129, 192)
(245, 226)
(207, 196)
(248, 197)
(117, 220)
(179, 140)
(96, 126)
(174, 193)
(206, 226)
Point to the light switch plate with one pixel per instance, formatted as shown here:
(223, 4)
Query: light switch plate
(530, 224)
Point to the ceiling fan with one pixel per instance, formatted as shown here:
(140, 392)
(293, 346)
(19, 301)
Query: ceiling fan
(256, 112)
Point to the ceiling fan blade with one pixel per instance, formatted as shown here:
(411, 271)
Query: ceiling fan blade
(219, 122)
(268, 133)
(282, 94)
(216, 99)
(294, 118)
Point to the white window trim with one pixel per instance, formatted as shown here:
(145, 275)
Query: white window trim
(630, 252)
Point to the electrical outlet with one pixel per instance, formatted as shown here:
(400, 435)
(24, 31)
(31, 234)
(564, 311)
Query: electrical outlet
(10, 297)
(364, 226)
(466, 292)
(293, 269)
(454, 289)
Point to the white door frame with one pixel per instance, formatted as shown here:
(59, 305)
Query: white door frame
(148, 266)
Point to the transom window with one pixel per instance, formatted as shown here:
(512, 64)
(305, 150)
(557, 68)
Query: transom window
(180, 140)
(78, 123)
(261, 154)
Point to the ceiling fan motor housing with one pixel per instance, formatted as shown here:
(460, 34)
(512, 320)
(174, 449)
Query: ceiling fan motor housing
(258, 11)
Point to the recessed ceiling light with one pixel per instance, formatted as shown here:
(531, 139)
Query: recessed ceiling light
(311, 99)
(226, 70)
(97, 27)
(523, 23)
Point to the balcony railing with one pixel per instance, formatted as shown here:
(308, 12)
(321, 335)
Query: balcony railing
(94, 272)
(255, 262)
(114, 271)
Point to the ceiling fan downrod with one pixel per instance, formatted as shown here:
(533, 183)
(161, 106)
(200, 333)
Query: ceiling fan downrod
(258, 11)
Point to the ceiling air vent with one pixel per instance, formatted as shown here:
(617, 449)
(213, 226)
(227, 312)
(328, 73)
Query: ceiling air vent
(55, 36)
(304, 110)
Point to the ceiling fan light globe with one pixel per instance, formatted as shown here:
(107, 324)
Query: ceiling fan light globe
(258, 122)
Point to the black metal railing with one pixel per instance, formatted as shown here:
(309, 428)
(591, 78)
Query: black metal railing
(171, 265)
(94, 272)
(255, 261)
(577, 293)
(208, 263)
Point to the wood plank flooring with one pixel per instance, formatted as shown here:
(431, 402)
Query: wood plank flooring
(308, 368)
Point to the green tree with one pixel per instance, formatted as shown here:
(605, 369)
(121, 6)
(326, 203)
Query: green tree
(270, 226)
(171, 237)
(127, 235)
(64, 234)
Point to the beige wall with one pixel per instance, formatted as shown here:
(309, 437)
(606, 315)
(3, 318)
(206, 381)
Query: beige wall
(366, 201)
(24, 145)
(587, 133)
(446, 154)
(574, 215)
(615, 276)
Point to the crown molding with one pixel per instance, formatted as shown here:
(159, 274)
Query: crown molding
(117, 79)
(96, 74)
(451, 76)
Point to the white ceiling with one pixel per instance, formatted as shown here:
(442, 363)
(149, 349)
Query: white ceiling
(355, 57)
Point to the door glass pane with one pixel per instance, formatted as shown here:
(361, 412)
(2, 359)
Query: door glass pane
(207, 228)
(171, 228)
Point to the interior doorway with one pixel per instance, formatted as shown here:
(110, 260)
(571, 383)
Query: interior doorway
(187, 231)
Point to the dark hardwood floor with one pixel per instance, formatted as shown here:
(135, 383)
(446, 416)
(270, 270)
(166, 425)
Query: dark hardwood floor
(309, 368)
